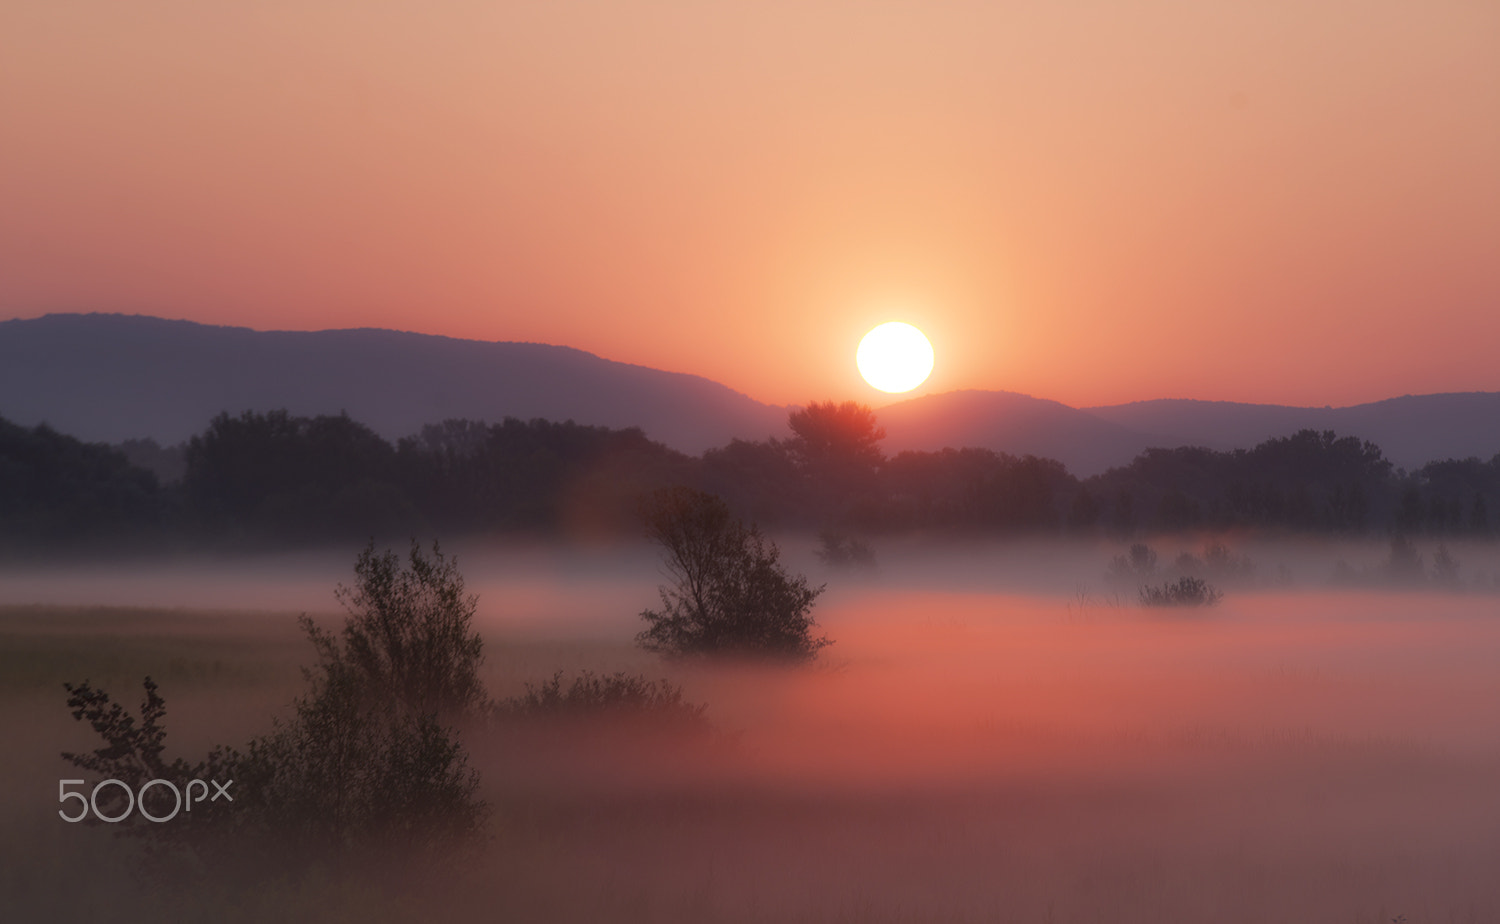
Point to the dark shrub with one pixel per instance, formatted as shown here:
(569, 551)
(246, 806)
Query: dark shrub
(1188, 591)
(344, 776)
(133, 754)
(1404, 564)
(1445, 568)
(617, 695)
(363, 763)
(729, 593)
(409, 639)
(1139, 564)
(837, 550)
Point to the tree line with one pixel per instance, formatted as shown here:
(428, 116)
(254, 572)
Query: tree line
(276, 479)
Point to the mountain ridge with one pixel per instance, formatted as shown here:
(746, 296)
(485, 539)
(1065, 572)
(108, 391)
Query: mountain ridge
(1411, 429)
(112, 377)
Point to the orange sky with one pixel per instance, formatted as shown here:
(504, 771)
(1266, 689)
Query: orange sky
(1095, 202)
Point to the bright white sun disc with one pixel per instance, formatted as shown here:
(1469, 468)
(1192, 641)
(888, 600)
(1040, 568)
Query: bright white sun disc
(894, 357)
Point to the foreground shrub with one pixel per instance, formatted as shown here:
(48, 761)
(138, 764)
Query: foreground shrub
(1188, 591)
(342, 777)
(364, 763)
(409, 641)
(729, 594)
(133, 754)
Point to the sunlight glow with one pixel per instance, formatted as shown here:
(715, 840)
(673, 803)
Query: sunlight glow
(895, 357)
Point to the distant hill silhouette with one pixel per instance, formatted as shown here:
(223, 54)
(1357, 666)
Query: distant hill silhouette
(111, 377)
(1008, 422)
(1412, 430)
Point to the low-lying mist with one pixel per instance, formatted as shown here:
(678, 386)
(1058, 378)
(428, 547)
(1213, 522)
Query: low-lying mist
(556, 584)
(1000, 732)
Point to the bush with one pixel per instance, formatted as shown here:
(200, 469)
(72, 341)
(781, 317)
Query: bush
(363, 763)
(1219, 563)
(1139, 564)
(1404, 564)
(345, 776)
(409, 640)
(613, 695)
(1188, 591)
(1445, 568)
(132, 754)
(1226, 565)
(729, 592)
(837, 550)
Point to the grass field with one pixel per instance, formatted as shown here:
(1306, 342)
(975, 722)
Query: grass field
(956, 756)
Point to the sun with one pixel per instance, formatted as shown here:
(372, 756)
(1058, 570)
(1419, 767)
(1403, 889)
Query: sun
(894, 357)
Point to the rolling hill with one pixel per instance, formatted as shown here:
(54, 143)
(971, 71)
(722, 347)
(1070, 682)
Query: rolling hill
(110, 377)
(1009, 422)
(1412, 429)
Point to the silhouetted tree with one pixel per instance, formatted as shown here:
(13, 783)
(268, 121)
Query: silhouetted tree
(348, 774)
(836, 438)
(1222, 564)
(1176, 511)
(534, 475)
(365, 761)
(274, 475)
(1138, 565)
(167, 463)
(729, 593)
(1404, 564)
(836, 447)
(409, 640)
(1445, 567)
(1309, 481)
(1411, 514)
(759, 480)
(55, 489)
(972, 489)
(1084, 512)
(1122, 517)
(837, 550)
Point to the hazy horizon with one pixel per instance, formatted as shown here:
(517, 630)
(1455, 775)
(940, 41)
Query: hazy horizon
(874, 399)
(1092, 204)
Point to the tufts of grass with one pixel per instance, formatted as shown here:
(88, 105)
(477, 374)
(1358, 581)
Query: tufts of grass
(1187, 591)
(616, 695)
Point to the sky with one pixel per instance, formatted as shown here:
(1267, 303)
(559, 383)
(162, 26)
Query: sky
(1094, 202)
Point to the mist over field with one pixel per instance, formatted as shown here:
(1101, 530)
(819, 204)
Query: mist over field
(1150, 575)
(1000, 732)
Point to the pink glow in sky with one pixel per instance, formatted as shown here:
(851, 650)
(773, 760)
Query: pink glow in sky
(1097, 203)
